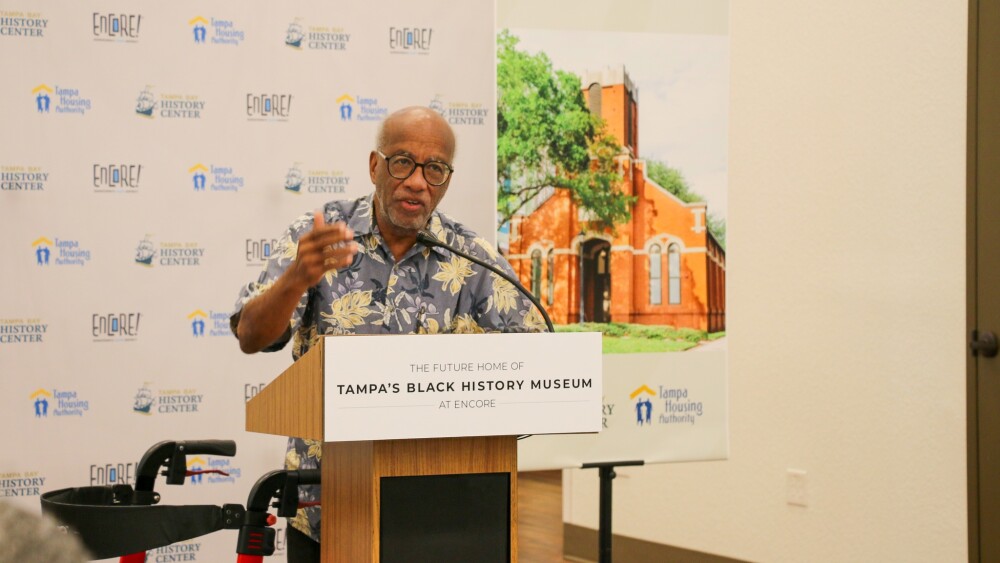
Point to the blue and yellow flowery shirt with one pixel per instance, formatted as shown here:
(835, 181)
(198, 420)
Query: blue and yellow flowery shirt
(429, 291)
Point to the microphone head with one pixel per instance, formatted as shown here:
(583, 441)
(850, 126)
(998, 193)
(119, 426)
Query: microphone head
(424, 236)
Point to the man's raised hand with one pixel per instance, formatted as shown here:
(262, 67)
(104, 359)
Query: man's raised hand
(324, 248)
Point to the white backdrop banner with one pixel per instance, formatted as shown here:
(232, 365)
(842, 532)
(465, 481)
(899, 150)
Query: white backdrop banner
(151, 155)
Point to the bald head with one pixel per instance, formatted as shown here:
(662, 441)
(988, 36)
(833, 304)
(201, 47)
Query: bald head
(415, 120)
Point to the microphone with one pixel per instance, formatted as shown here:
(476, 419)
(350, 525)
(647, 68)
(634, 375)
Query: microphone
(424, 236)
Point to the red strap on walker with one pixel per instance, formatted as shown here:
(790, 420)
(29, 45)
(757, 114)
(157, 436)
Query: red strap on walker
(241, 558)
(133, 558)
(190, 473)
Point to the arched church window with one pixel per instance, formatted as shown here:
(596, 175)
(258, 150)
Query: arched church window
(536, 272)
(550, 276)
(655, 275)
(674, 268)
(594, 99)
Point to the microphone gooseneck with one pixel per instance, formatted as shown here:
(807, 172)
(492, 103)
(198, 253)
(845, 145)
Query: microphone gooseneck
(427, 239)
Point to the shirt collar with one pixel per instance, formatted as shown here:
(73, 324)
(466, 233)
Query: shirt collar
(362, 222)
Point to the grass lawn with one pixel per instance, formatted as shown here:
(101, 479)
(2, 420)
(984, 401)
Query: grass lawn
(630, 345)
(624, 338)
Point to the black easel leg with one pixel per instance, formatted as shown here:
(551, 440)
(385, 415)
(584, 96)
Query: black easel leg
(606, 474)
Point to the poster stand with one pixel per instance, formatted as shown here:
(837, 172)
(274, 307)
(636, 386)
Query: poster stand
(606, 473)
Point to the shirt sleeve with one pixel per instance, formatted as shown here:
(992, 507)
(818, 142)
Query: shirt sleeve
(280, 260)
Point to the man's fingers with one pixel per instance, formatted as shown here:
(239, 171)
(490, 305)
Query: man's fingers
(338, 251)
(339, 256)
(333, 234)
(318, 220)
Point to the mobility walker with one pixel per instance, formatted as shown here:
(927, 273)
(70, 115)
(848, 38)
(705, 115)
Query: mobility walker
(125, 521)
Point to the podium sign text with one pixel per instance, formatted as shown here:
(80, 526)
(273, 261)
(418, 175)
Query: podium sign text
(433, 386)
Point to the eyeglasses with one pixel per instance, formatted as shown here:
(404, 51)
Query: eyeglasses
(401, 166)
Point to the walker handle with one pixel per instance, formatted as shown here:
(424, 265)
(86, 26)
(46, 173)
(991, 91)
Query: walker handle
(174, 454)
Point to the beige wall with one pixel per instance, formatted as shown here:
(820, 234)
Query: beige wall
(846, 270)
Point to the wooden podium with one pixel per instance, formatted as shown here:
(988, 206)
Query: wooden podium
(442, 499)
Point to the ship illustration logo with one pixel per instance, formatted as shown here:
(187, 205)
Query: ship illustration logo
(294, 35)
(144, 252)
(143, 400)
(293, 180)
(437, 105)
(145, 103)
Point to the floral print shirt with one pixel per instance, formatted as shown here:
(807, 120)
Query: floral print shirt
(430, 290)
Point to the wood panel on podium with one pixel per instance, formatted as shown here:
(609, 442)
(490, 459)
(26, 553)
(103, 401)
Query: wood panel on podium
(394, 500)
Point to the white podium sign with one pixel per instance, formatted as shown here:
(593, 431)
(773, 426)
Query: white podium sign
(435, 386)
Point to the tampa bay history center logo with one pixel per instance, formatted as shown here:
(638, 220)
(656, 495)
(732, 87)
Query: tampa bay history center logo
(121, 28)
(148, 401)
(186, 551)
(59, 99)
(168, 106)
(318, 37)
(61, 252)
(58, 403)
(410, 40)
(149, 254)
(643, 406)
(14, 23)
(22, 331)
(216, 31)
(461, 113)
(17, 484)
(215, 178)
(17, 178)
(315, 180)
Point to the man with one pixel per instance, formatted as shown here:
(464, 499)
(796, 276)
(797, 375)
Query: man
(356, 268)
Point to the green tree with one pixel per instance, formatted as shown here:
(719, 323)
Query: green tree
(673, 181)
(717, 226)
(546, 137)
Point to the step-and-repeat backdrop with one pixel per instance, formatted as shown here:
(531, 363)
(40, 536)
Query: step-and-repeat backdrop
(151, 154)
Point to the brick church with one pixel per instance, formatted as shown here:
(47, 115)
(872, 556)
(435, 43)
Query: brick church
(662, 267)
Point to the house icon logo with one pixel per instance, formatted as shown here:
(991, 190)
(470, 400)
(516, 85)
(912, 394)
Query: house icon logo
(40, 401)
(643, 406)
(198, 176)
(346, 105)
(195, 468)
(197, 319)
(42, 252)
(198, 28)
(42, 95)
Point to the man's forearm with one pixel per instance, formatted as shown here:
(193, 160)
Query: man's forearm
(266, 317)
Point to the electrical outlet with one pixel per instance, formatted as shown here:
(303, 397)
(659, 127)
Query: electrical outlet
(795, 488)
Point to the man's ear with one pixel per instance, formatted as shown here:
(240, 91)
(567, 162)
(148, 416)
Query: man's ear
(372, 164)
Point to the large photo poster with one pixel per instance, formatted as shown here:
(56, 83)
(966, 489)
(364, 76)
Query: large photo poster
(611, 205)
